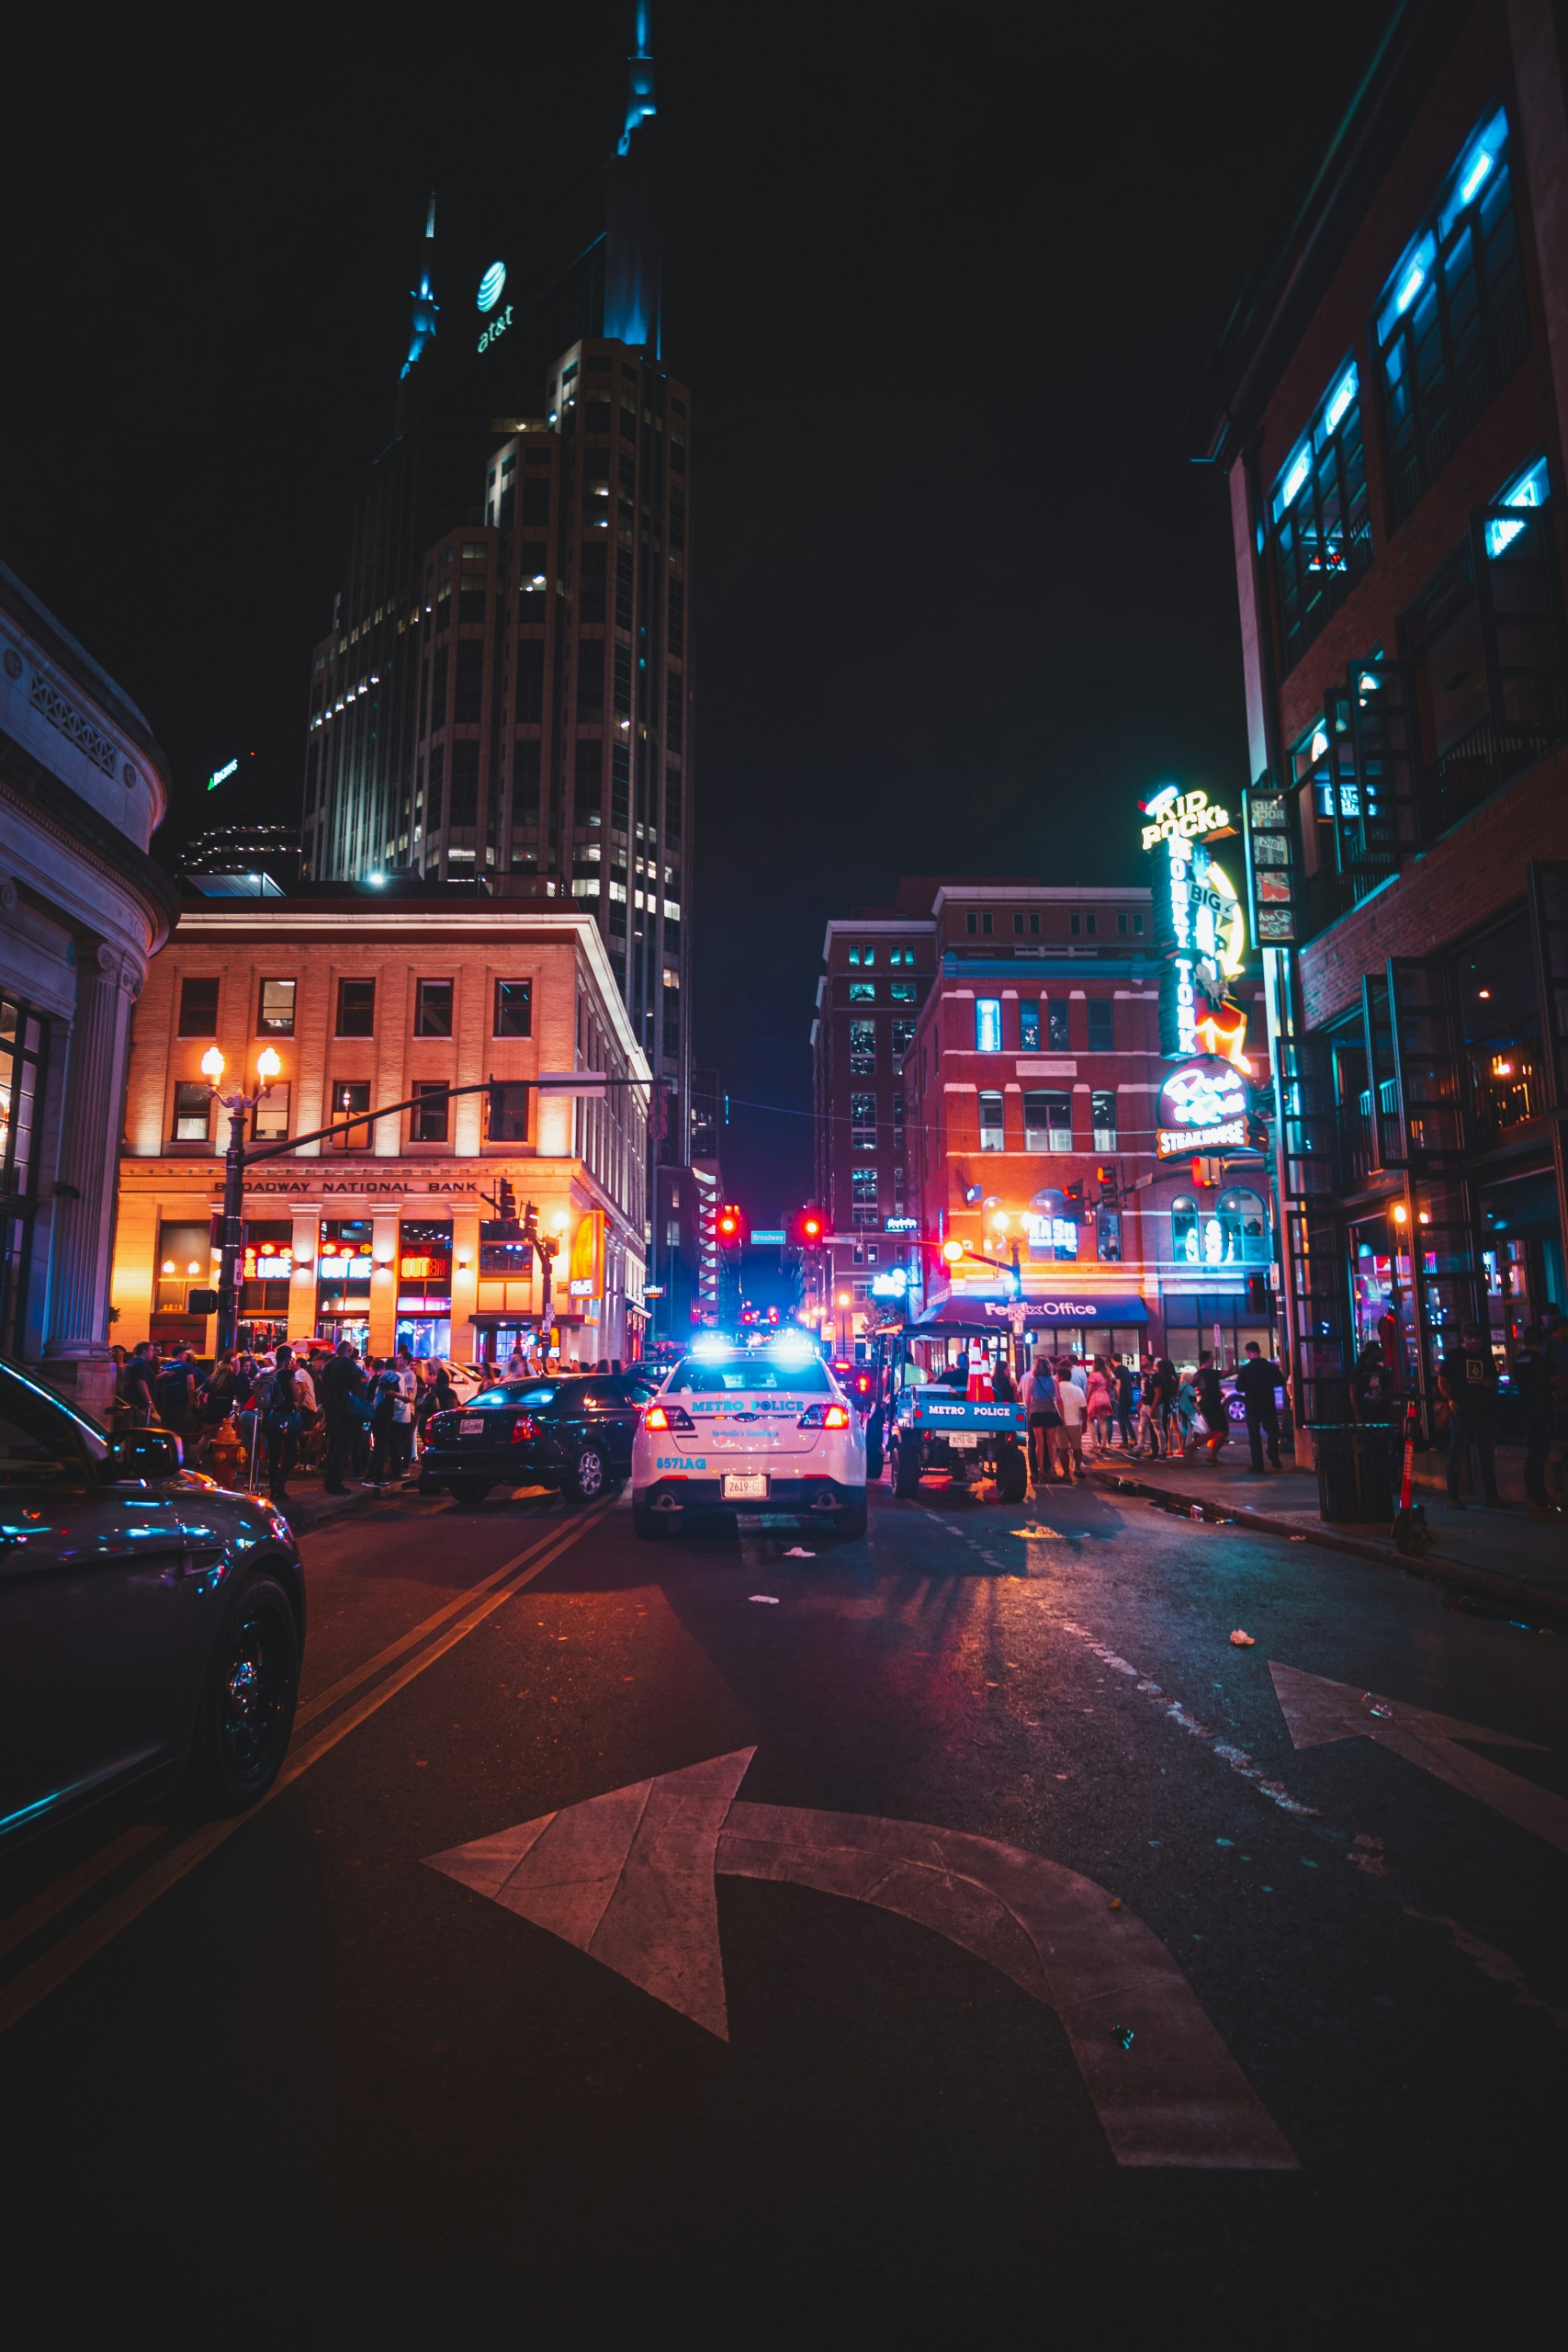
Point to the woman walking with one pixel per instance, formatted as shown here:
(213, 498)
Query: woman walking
(1101, 1405)
(1044, 1416)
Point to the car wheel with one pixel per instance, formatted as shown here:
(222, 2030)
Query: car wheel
(468, 1490)
(1012, 1475)
(588, 1476)
(246, 1712)
(906, 1467)
(652, 1525)
(851, 1520)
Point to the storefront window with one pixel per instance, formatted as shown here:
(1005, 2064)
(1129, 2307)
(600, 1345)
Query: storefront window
(343, 1269)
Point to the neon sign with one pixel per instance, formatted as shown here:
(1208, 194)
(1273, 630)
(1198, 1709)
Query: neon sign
(221, 776)
(1182, 815)
(491, 286)
(1200, 920)
(1202, 1106)
(497, 327)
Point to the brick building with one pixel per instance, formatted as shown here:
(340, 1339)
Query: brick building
(1389, 409)
(389, 1233)
(1021, 1113)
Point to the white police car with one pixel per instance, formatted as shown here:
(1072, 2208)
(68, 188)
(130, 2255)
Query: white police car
(735, 1431)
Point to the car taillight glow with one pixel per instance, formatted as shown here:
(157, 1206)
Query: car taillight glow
(825, 1416)
(667, 1416)
(523, 1427)
(656, 1418)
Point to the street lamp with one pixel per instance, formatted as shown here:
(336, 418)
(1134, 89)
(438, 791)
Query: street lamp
(239, 1106)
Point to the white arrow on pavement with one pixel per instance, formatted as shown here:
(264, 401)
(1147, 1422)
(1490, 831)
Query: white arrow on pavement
(1318, 1710)
(629, 1878)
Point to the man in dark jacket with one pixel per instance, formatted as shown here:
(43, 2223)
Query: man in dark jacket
(1537, 1385)
(341, 1389)
(1258, 1379)
(139, 1371)
(1212, 1405)
(1467, 1377)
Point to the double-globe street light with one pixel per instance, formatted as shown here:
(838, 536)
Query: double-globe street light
(239, 1106)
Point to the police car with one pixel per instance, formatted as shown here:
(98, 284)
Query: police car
(734, 1431)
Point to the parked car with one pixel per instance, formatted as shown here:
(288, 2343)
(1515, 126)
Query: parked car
(151, 1624)
(569, 1433)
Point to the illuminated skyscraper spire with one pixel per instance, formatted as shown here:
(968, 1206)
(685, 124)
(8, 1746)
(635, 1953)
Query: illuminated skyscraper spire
(424, 303)
(640, 76)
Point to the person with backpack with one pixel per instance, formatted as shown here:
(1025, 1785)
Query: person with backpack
(280, 1425)
(217, 1402)
(1213, 1406)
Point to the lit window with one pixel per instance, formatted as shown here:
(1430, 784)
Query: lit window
(1531, 488)
(987, 1024)
(1454, 324)
(1029, 1028)
(862, 991)
(1318, 514)
(992, 1134)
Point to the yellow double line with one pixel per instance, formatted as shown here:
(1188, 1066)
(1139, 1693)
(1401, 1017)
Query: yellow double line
(439, 1633)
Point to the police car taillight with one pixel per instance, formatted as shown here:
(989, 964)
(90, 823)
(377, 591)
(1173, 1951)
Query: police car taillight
(668, 1417)
(825, 1416)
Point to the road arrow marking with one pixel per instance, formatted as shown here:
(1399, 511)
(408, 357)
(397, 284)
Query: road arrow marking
(628, 1878)
(1318, 1710)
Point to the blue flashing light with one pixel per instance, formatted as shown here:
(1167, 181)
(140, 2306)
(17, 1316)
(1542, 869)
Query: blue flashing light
(792, 1346)
(491, 286)
(709, 1346)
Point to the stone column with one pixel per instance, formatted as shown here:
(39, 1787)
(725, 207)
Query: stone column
(307, 1246)
(384, 1281)
(76, 1348)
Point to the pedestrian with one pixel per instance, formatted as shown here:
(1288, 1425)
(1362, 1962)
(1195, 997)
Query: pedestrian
(1212, 1405)
(1044, 1419)
(1184, 1414)
(1467, 1377)
(1098, 1399)
(280, 1424)
(1149, 1417)
(176, 1391)
(402, 1413)
(956, 1377)
(1538, 1384)
(1125, 1390)
(1068, 1439)
(343, 1410)
(517, 1363)
(217, 1402)
(140, 1373)
(1258, 1380)
(1004, 1389)
(383, 1413)
(1167, 1380)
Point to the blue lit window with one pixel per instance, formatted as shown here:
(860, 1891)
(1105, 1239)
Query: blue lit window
(1530, 488)
(1452, 324)
(987, 1024)
(1322, 532)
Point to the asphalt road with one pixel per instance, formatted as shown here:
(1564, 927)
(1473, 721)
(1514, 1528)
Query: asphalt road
(293, 2085)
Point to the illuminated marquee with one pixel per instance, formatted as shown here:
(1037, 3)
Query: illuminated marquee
(1201, 1107)
(1199, 916)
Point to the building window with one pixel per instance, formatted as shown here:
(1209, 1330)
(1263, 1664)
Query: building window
(1102, 1111)
(862, 991)
(905, 955)
(897, 1110)
(514, 1008)
(269, 1121)
(1453, 324)
(864, 1219)
(862, 1121)
(903, 1038)
(1022, 922)
(862, 1049)
(1244, 1230)
(1184, 1242)
(901, 991)
(1057, 1029)
(193, 1106)
(1102, 1024)
(349, 1096)
(1082, 923)
(1530, 488)
(987, 1024)
(1318, 518)
(428, 1119)
(357, 1008)
(863, 1184)
(978, 924)
(506, 1113)
(1029, 1028)
(1047, 1121)
(1133, 923)
(274, 1012)
(433, 1009)
(198, 1008)
(992, 1135)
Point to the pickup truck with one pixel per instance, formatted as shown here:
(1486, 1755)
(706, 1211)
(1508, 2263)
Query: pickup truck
(935, 1429)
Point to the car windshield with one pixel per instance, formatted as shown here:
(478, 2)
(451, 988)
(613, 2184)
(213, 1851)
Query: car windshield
(517, 1392)
(802, 1377)
(41, 1435)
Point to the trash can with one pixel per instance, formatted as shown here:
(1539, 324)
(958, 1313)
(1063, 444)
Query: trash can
(1354, 1478)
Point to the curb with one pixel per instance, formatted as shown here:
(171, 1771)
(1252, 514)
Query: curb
(1478, 1582)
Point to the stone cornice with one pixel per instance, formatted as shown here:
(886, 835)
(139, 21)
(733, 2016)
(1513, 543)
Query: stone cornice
(55, 810)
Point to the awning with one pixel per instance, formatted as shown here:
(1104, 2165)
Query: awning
(1062, 1311)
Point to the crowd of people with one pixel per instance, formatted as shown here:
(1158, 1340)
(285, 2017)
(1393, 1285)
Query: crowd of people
(1155, 1412)
(346, 1413)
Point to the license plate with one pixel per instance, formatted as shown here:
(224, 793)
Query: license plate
(472, 1425)
(746, 1486)
(964, 1440)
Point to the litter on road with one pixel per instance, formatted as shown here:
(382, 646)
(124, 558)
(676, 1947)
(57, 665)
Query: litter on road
(796, 1552)
(1241, 1641)
(770, 1600)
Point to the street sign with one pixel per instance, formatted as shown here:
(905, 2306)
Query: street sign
(769, 1235)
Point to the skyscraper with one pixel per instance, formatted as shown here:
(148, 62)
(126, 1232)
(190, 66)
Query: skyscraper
(505, 691)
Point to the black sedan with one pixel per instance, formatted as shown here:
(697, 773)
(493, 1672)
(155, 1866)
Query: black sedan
(572, 1435)
(151, 1624)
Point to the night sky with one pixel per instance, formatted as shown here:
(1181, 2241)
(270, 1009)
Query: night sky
(943, 289)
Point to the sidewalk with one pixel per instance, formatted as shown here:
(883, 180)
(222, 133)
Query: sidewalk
(1503, 1557)
(309, 1506)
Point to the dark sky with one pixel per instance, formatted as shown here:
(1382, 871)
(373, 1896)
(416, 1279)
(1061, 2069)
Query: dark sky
(943, 288)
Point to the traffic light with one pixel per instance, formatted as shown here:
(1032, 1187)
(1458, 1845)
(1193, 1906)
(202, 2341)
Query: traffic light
(809, 1230)
(1073, 1195)
(508, 1105)
(731, 1226)
(1105, 1177)
(506, 1202)
(1257, 1293)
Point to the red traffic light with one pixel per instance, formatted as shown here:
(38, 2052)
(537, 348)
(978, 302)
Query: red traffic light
(731, 1223)
(810, 1228)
